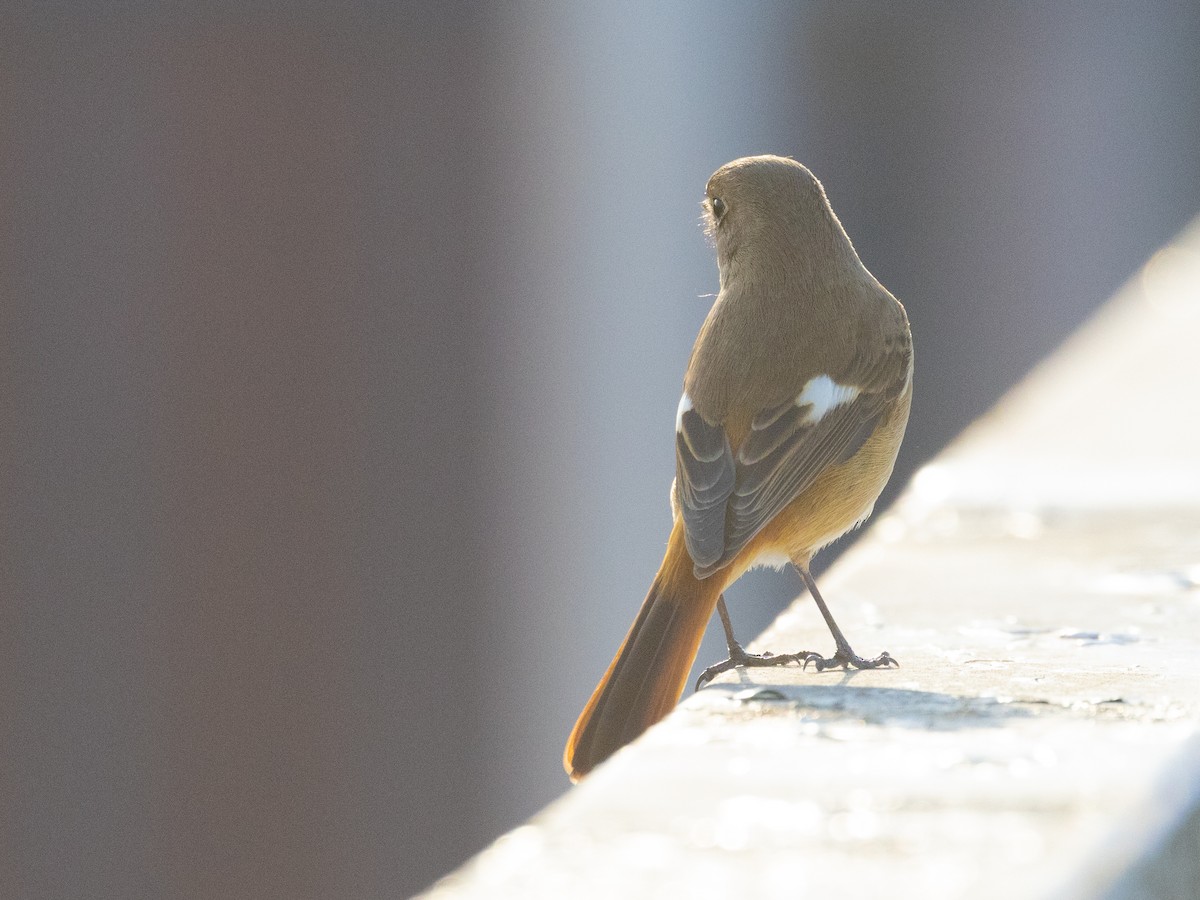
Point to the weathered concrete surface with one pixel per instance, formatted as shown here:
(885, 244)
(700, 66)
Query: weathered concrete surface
(1040, 584)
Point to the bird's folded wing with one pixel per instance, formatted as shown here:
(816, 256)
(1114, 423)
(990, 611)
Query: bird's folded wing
(783, 455)
(704, 479)
(727, 498)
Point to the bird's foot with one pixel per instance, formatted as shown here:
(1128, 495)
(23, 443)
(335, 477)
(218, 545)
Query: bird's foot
(845, 658)
(739, 658)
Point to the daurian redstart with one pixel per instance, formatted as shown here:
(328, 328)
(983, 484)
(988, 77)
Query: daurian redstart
(794, 405)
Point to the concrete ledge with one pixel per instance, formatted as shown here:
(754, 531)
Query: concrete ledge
(1040, 584)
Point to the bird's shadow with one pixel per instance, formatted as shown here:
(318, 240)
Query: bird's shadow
(898, 707)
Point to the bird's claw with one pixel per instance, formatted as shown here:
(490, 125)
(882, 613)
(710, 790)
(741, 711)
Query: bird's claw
(740, 659)
(845, 658)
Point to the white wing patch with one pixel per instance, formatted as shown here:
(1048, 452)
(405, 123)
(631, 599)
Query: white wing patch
(685, 404)
(822, 394)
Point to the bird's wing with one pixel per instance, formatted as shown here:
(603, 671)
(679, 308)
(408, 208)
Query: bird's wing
(728, 497)
(704, 479)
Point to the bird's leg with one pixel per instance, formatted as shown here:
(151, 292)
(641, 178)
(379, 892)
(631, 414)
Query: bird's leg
(844, 657)
(739, 657)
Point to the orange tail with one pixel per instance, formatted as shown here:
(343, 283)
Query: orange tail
(646, 678)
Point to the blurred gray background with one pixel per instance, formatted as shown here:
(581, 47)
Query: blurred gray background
(339, 356)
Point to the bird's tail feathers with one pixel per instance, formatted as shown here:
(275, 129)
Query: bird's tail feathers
(647, 676)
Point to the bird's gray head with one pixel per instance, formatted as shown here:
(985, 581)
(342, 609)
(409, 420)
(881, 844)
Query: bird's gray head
(769, 208)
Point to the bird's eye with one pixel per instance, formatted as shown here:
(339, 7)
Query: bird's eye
(718, 207)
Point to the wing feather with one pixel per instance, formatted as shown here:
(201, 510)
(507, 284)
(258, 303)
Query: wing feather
(727, 499)
(704, 479)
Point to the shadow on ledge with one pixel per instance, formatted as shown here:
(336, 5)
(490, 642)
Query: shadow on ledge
(873, 705)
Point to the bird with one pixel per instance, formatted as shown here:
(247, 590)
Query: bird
(795, 402)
